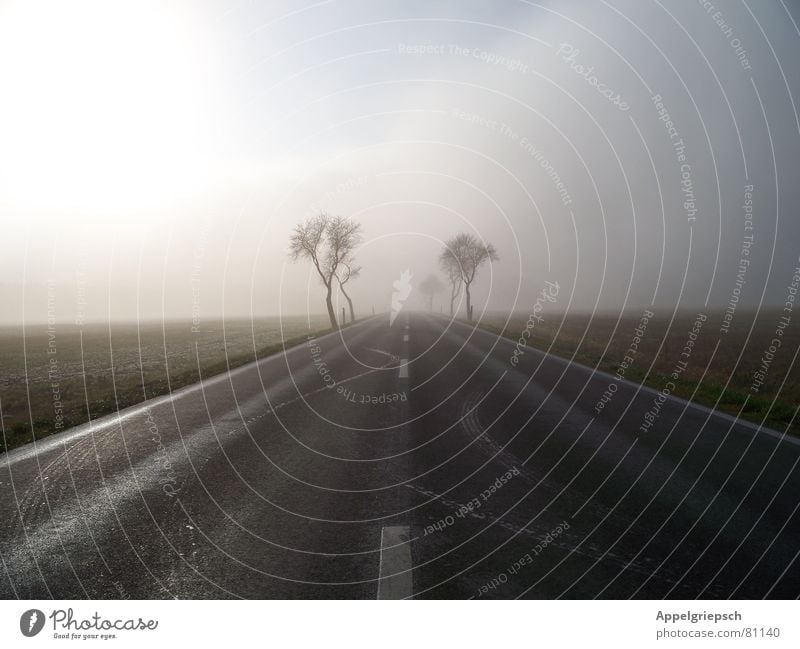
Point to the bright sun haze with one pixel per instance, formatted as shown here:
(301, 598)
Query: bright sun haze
(106, 101)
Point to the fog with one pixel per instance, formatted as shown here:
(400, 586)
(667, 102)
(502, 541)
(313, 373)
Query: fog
(157, 160)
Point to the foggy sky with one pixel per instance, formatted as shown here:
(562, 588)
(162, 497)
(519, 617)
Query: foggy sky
(160, 169)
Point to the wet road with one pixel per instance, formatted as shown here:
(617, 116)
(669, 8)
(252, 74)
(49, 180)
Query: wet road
(407, 461)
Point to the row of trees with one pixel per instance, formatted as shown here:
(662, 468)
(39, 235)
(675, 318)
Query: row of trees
(329, 242)
(460, 260)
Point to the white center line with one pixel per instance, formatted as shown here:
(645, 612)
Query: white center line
(405, 338)
(403, 368)
(394, 570)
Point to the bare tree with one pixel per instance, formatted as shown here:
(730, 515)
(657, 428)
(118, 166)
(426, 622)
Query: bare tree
(348, 272)
(453, 271)
(467, 253)
(328, 241)
(430, 287)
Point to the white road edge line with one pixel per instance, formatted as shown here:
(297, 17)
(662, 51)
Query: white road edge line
(394, 567)
(403, 368)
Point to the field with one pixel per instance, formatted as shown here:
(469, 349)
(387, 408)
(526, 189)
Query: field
(46, 379)
(723, 379)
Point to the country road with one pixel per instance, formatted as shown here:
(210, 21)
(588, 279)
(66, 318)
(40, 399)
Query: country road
(412, 460)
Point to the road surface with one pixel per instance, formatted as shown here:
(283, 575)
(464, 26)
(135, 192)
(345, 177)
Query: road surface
(412, 460)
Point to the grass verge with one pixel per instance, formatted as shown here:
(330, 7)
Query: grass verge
(723, 379)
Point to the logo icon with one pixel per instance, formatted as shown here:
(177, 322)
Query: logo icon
(402, 289)
(31, 622)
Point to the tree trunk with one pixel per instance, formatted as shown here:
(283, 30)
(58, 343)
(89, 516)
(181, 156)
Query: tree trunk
(469, 302)
(350, 303)
(331, 312)
(455, 289)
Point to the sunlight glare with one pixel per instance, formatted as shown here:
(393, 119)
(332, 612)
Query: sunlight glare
(102, 106)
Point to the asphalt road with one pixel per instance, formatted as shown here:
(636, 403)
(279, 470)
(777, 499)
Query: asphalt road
(405, 461)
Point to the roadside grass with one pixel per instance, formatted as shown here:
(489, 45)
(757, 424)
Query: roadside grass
(724, 381)
(120, 365)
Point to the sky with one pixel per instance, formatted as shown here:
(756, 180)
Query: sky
(156, 156)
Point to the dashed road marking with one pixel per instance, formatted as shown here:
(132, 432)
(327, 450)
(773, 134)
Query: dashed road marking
(405, 338)
(403, 368)
(394, 570)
